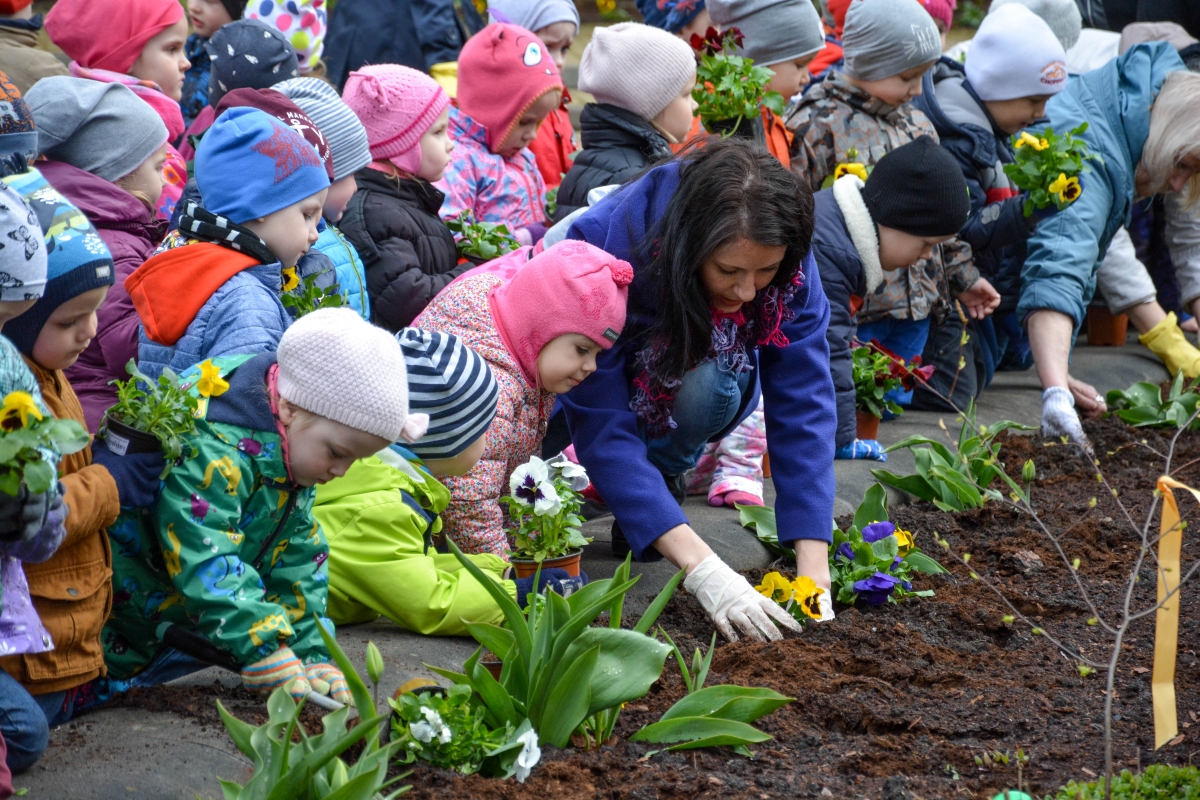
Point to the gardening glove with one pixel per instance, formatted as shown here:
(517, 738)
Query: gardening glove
(1166, 341)
(731, 602)
(825, 603)
(136, 475)
(277, 670)
(861, 450)
(23, 517)
(328, 680)
(1059, 417)
(556, 580)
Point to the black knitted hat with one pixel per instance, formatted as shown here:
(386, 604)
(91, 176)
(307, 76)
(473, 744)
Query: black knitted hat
(235, 7)
(918, 189)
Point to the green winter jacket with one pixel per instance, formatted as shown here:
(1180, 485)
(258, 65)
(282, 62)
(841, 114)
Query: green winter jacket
(380, 518)
(231, 551)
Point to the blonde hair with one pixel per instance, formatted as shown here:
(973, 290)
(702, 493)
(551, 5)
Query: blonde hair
(1174, 133)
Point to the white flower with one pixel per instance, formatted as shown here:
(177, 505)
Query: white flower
(529, 756)
(526, 480)
(574, 474)
(421, 731)
(426, 729)
(547, 503)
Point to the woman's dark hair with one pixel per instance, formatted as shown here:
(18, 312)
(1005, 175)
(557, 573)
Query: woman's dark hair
(728, 190)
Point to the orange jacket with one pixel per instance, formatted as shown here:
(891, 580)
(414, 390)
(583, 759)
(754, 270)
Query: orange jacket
(554, 144)
(778, 137)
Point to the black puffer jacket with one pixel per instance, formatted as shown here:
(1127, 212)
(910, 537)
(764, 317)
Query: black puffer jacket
(617, 146)
(408, 251)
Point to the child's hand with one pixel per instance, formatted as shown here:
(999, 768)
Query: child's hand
(980, 300)
(328, 680)
(277, 670)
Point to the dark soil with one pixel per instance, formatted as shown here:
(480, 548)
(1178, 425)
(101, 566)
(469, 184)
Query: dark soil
(197, 704)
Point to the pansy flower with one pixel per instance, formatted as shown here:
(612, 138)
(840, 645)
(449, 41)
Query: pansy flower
(877, 530)
(1067, 190)
(211, 384)
(876, 589)
(18, 408)
(1027, 139)
(291, 279)
(857, 170)
(904, 541)
(808, 595)
(776, 587)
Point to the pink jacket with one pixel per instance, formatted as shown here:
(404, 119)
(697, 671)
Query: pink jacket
(475, 520)
(493, 188)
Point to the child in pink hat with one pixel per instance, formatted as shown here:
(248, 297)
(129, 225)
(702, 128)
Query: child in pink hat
(392, 220)
(540, 333)
(507, 84)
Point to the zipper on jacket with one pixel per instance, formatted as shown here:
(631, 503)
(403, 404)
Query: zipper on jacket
(267, 545)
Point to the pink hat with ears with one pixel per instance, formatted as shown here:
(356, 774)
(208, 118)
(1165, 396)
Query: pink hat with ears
(572, 287)
(396, 105)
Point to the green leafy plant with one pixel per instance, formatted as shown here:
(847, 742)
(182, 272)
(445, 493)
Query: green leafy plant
(163, 408)
(25, 432)
(1142, 404)
(954, 481)
(729, 88)
(558, 669)
(761, 520)
(877, 371)
(302, 295)
(544, 501)
(718, 715)
(799, 596)
(481, 240)
(552, 201)
(447, 730)
(1154, 782)
(1048, 166)
(693, 678)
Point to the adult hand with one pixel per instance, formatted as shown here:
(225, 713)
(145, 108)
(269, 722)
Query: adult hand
(136, 475)
(328, 680)
(277, 670)
(731, 602)
(860, 450)
(1059, 417)
(1087, 399)
(980, 300)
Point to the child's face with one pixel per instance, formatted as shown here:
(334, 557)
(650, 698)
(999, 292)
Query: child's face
(289, 232)
(1014, 116)
(340, 192)
(436, 147)
(320, 449)
(460, 464)
(898, 249)
(895, 90)
(565, 361)
(557, 38)
(163, 60)
(207, 16)
(738, 271)
(699, 24)
(525, 131)
(790, 77)
(146, 182)
(11, 309)
(676, 118)
(69, 330)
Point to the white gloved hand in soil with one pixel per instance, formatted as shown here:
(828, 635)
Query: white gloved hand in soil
(1059, 417)
(825, 603)
(731, 602)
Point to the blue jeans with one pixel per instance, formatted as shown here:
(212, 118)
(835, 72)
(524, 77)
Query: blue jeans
(904, 337)
(22, 724)
(706, 404)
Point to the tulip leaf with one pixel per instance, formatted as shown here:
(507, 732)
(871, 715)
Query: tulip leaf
(692, 729)
(569, 700)
(923, 563)
(736, 703)
(873, 507)
(627, 664)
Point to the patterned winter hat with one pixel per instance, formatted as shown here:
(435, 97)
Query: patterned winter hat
(396, 105)
(17, 131)
(345, 133)
(302, 22)
(670, 15)
(248, 54)
(23, 257)
(281, 108)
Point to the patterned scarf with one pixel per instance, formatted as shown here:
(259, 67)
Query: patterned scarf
(758, 322)
(197, 223)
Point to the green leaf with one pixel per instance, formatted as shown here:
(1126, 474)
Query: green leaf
(923, 563)
(39, 476)
(736, 703)
(873, 507)
(659, 603)
(699, 729)
(363, 699)
(569, 700)
(493, 637)
(627, 665)
(494, 695)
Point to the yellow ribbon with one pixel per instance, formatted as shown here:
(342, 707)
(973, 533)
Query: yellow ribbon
(1166, 623)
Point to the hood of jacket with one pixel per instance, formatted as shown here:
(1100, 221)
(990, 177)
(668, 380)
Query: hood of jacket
(245, 403)
(606, 126)
(411, 191)
(106, 205)
(388, 472)
(464, 128)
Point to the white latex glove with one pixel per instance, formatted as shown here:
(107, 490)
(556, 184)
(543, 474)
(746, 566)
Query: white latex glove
(1059, 417)
(732, 602)
(825, 603)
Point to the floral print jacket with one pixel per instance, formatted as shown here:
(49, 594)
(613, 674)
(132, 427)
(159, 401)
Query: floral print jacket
(828, 121)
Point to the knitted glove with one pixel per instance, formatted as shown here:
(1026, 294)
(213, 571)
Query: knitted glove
(731, 601)
(23, 517)
(860, 450)
(276, 670)
(136, 475)
(1059, 417)
(328, 680)
(556, 580)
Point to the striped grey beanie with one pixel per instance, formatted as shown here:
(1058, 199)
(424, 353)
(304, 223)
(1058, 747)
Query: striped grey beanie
(339, 125)
(453, 385)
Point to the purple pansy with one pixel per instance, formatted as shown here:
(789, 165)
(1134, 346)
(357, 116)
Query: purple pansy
(877, 530)
(876, 589)
(846, 551)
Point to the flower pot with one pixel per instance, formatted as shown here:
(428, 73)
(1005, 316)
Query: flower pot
(489, 661)
(124, 440)
(766, 465)
(1104, 329)
(744, 128)
(526, 567)
(868, 425)
(478, 261)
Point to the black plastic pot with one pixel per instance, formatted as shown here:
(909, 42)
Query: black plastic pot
(744, 128)
(124, 440)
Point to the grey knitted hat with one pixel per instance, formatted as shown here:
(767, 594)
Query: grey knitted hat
(339, 125)
(883, 38)
(774, 30)
(23, 258)
(636, 67)
(1062, 16)
(102, 128)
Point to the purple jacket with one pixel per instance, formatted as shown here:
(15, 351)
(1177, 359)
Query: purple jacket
(128, 227)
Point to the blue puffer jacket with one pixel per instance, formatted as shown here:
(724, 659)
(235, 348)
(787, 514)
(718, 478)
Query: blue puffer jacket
(337, 261)
(997, 228)
(1060, 271)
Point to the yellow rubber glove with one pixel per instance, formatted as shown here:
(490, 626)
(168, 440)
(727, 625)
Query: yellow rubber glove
(1167, 342)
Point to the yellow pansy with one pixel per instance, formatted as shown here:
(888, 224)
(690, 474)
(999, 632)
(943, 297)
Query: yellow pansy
(1028, 138)
(850, 169)
(1065, 189)
(776, 587)
(905, 540)
(807, 592)
(211, 384)
(291, 279)
(18, 408)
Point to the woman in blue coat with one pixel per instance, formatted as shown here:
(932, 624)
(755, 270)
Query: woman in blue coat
(726, 301)
(1143, 110)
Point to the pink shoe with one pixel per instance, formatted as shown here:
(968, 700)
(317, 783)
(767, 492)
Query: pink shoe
(736, 498)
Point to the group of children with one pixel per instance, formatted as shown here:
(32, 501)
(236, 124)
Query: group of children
(165, 192)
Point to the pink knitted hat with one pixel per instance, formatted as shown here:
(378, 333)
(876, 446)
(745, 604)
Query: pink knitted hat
(396, 105)
(572, 287)
(502, 71)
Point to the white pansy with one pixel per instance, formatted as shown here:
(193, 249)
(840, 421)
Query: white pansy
(547, 503)
(526, 478)
(529, 756)
(574, 474)
(421, 731)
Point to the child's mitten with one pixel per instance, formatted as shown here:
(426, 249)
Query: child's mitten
(554, 579)
(328, 680)
(276, 670)
(861, 449)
